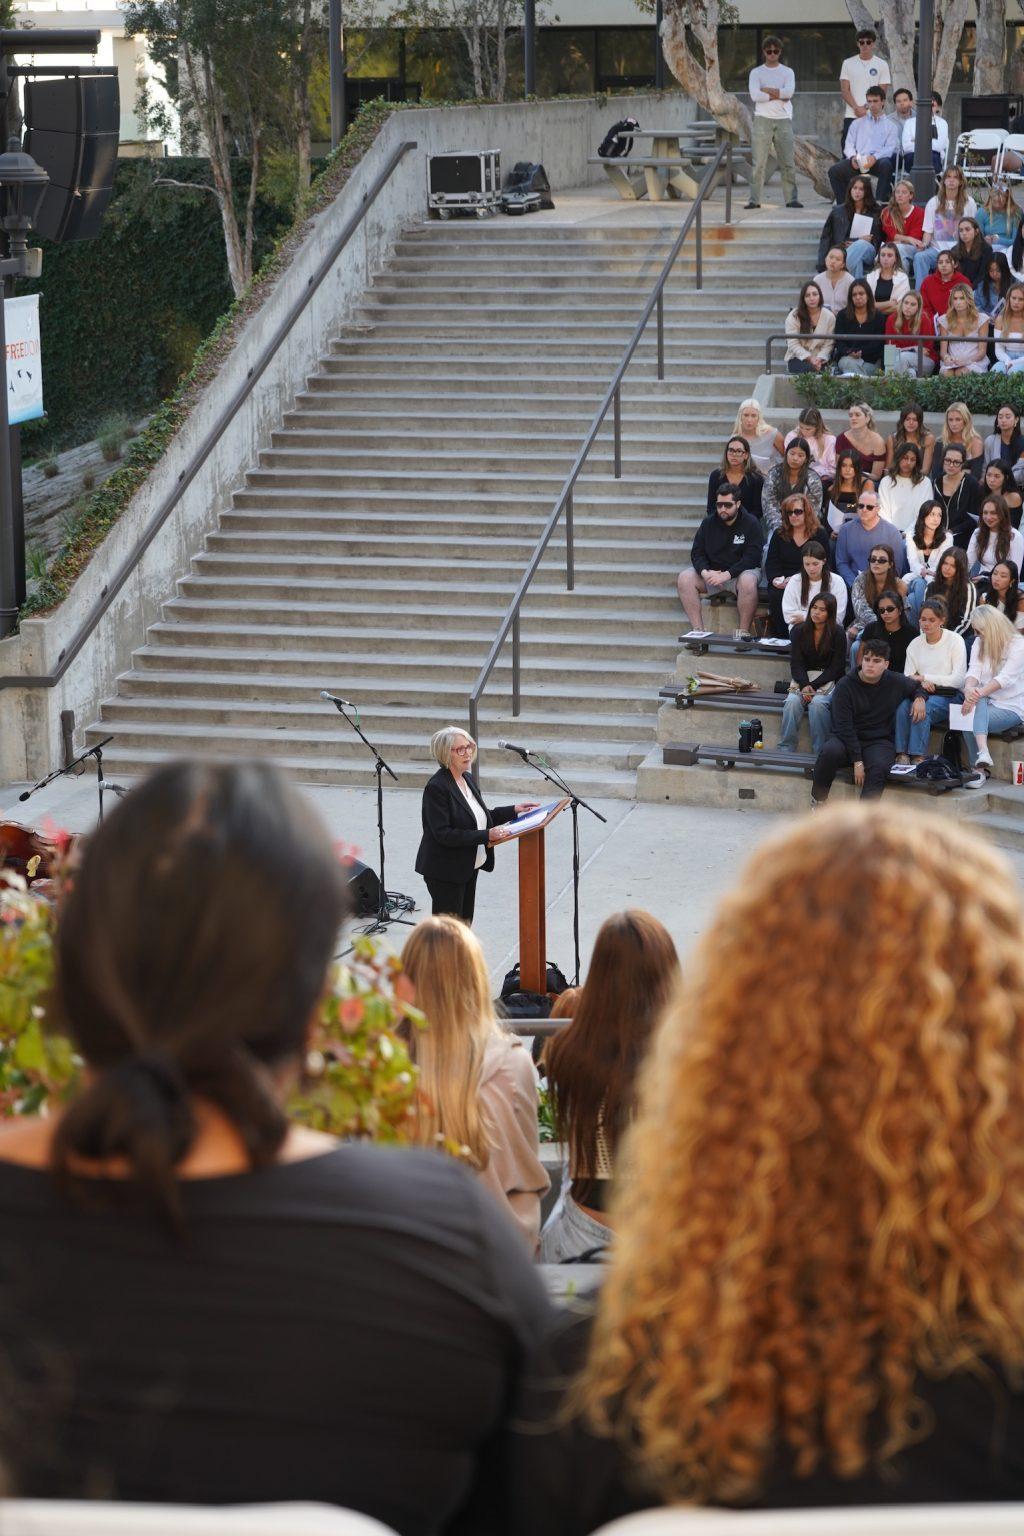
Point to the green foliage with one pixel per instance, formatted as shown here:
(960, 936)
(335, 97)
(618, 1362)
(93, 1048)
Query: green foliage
(50, 469)
(982, 393)
(35, 1066)
(112, 434)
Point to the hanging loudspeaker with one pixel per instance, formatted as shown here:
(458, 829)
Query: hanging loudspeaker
(73, 131)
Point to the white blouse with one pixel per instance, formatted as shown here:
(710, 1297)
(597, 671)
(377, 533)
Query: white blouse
(1010, 677)
(479, 816)
(989, 559)
(794, 612)
(920, 564)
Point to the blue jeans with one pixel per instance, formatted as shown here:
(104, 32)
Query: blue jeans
(988, 718)
(860, 255)
(925, 262)
(912, 735)
(915, 597)
(819, 721)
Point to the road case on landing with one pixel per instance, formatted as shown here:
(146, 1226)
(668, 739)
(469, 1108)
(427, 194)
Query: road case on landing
(464, 183)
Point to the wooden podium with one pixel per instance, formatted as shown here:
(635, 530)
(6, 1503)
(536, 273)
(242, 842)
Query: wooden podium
(532, 906)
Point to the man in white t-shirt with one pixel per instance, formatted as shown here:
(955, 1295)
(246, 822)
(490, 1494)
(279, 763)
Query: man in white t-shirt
(772, 86)
(857, 74)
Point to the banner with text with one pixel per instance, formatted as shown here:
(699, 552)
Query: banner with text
(24, 359)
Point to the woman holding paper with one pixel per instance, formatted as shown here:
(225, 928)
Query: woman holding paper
(459, 831)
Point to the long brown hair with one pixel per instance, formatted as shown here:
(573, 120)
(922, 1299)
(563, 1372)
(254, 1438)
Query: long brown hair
(592, 1063)
(1001, 532)
(874, 586)
(955, 591)
(811, 524)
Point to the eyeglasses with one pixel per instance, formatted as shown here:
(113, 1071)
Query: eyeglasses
(867, 503)
(952, 458)
(883, 611)
(743, 451)
(773, 50)
(796, 512)
(878, 560)
(725, 506)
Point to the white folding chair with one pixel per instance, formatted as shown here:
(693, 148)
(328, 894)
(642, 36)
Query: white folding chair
(979, 153)
(1013, 144)
(890, 1520)
(71, 1517)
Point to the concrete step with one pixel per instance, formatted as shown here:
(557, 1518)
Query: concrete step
(323, 416)
(266, 552)
(310, 576)
(352, 440)
(366, 361)
(672, 524)
(468, 506)
(291, 481)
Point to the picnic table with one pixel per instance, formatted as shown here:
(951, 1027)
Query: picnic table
(672, 169)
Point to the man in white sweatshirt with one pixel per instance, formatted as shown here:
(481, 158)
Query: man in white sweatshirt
(772, 86)
(936, 659)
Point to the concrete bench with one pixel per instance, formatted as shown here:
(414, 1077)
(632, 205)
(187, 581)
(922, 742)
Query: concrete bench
(751, 698)
(765, 760)
(725, 645)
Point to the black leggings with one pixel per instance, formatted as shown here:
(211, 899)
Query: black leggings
(877, 756)
(454, 898)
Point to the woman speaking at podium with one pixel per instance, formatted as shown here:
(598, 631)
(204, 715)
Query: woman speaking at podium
(459, 832)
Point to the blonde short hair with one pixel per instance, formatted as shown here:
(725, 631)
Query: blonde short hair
(442, 743)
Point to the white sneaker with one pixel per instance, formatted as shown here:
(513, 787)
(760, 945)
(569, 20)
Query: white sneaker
(974, 781)
(742, 634)
(983, 760)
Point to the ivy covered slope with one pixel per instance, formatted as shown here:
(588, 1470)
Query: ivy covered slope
(103, 313)
(982, 393)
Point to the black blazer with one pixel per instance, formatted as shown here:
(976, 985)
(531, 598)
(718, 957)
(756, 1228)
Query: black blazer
(450, 835)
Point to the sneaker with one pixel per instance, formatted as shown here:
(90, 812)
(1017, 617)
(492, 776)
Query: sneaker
(983, 760)
(743, 635)
(751, 205)
(794, 204)
(974, 781)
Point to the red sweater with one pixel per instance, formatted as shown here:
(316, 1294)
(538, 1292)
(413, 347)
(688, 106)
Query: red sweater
(914, 225)
(935, 292)
(895, 337)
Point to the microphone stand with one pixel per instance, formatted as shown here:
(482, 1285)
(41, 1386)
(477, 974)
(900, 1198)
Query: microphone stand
(554, 778)
(393, 902)
(101, 783)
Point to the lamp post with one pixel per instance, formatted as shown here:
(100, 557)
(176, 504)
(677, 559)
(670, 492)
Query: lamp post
(923, 172)
(530, 48)
(22, 184)
(336, 59)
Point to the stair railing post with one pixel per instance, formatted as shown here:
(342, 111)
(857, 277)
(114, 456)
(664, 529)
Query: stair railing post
(570, 553)
(617, 413)
(700, 262)
(516, 676)
(728, 180)
(661, 333)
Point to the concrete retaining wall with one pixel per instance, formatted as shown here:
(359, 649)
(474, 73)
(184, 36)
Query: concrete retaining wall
(561, 134)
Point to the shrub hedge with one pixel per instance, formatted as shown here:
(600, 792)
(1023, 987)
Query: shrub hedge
(982, 393)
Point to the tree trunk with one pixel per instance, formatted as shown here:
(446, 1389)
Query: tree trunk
(209, 109)
(702, 79)
(250, 202)
(990, 49)
(303, 127)
(950, 17)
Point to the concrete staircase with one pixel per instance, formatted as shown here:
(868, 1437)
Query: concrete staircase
(374, 547)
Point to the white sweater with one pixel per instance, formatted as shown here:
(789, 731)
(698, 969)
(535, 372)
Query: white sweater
(793, 611)
(920, 564)
(1010, 677)
(944, 663)
(988, 560)
(900, 500)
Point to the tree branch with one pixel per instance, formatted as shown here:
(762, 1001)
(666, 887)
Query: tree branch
(186, 186)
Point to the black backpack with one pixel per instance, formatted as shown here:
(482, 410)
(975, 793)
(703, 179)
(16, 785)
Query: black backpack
(516, 1004)
(618, 140)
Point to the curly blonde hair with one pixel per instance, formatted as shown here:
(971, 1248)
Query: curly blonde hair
(823, 1194)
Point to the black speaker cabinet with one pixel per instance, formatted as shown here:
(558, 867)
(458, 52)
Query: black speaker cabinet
(72, 131)
(363, 890)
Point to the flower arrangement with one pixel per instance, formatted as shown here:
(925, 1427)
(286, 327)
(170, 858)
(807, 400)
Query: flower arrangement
(361, 1081)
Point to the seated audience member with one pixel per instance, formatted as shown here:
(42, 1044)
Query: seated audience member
(182, 1247)
(938, 661)
(1002, 591)
(726, 557)
(854, 225)
(999, 480)
(918, 359)
(861, 437)
(736, 470)
(854, 1175)
(794, 476)
(911, 428)
(888, 281)
(857, 539)
(991, 289)
(1008, 331)
(815, 576)
(994, 690)
(972, 252)
(878, 576)
(845, 490)
(999, 217)
(810, 318)
(903, 489)
(903, 222)
(817, 660)
(936, 289)
(958, 492)
(927, 542)
(958, 427)
(784, 557)
(863, 328)
(891, 625)
(479, 1085)
(1005, 443)
(872, 145)
(591, 1069)
(864, 706)
(834, 280)
(994, 539)
(764, 440)
(954, 585)
(811, 427)
(940, 136)
(942, 215)
(960, 351)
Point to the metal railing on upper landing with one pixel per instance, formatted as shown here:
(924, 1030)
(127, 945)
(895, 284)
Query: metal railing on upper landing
(216, 431)
(511, 623)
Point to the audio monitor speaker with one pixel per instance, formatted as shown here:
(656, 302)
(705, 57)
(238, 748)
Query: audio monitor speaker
(72, 131)
(363, 890)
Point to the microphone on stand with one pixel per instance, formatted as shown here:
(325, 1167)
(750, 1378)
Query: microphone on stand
(26, 794)
(334, 699)
(510, 746)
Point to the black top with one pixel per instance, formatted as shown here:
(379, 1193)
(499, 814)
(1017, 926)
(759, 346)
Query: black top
(869, 333)
(784, 558)
(864, 712)
(962, 509)
(348, 1329)
(451, 836)
(832, 663)
(897, 641)
(568, 1482)
(974, 268)
(732, 547)
(836, 231)
(750, 488)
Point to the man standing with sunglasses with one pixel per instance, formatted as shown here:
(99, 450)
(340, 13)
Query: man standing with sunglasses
(856, 77)
(772, 86)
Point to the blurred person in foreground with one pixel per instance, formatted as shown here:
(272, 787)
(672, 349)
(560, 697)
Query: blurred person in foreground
(201, 1302)
(817, 1291)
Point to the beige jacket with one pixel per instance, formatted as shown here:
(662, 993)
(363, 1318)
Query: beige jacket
(508, 1100)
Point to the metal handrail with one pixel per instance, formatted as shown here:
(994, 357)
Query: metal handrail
(612, 401)
(213, 436)
(921, 337)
